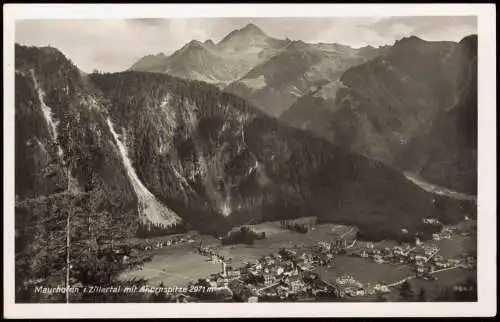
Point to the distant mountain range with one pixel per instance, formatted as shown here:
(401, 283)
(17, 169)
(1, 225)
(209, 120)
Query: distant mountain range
(270, 73)
(159, 151)
(220, 63)
(383, 103)
(382, 108)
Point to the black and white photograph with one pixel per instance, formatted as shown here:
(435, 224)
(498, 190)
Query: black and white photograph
(237, 158)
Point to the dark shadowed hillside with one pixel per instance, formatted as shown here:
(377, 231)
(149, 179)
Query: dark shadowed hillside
(447, 154)
(172, 151)
(226, 161)
(69, 148)
(382, 108)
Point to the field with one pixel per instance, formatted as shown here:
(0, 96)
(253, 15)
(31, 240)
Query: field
(445, 279)
(458, 245)
(364, 270)
(177, 265)
(174, 266)
(280, 238)
(379, 245)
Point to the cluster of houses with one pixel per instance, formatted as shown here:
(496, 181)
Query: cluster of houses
(302, 284)
(279, 275)
(286, 274)
(151, 244)
(274, 267)
(283, 274)
(424, 258)
(125, 252)
(351, 287)
(431, 221)
(445, 233)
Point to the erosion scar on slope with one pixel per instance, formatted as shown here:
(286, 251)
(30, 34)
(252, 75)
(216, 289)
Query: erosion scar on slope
(150, 209)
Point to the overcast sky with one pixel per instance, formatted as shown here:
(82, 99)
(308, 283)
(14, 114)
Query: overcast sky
(114, 45)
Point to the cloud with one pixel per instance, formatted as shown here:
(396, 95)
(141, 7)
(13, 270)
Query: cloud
(154, 22)
(114, 45)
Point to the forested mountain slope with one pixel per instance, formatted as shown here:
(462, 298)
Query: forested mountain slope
(402, 108)
(174, 151)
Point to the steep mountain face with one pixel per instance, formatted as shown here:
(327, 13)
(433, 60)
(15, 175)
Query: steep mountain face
(297, 70)
(249, 39)
(447, 153)
(271, 73)
(219, 63)
(171, 152)
(64, 145)
(199, 62)
(378, 107)
(152, 63)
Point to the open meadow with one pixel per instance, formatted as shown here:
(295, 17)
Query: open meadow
(174, 266)
(445, 280)
(364, 270)
(177, 265)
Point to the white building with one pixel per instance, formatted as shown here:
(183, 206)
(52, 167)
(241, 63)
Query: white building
(382, 288)
(253, 299)
(430, 250)
(297, 286)
(234, 273)
(446, 236)
(420, 258)
(431, 221)
(268, 279)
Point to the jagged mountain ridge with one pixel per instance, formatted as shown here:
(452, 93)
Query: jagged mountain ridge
(219, 63)
(210, 157)
(270, 73)
(377, 108)
(297, 70)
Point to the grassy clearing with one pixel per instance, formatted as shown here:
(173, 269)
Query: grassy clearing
(445, 279)
(176, 265)
(365, 270)
(458, 245)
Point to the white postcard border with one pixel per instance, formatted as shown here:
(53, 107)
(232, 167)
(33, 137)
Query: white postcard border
(486, 306)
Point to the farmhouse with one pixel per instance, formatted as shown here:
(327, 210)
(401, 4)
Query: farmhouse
(381, 288)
